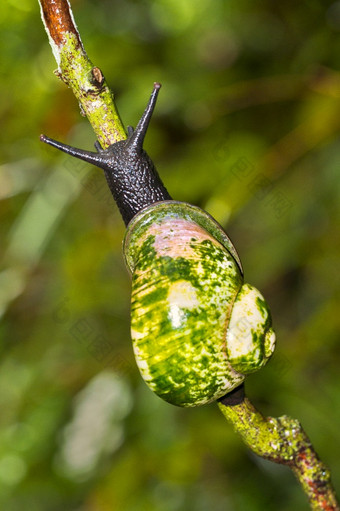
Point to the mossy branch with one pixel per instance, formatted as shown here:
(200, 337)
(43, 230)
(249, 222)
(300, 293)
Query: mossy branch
(77, 71)
(281, 440)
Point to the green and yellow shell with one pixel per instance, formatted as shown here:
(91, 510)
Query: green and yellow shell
(197, 329)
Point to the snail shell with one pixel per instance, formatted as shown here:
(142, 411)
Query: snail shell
(197, 330)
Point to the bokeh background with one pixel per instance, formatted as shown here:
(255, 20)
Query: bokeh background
(247, 126)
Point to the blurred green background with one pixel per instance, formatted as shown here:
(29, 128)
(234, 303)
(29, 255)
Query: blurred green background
(246, 126)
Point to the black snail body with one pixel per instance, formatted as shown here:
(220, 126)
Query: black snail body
(197, 328)
(130, 173)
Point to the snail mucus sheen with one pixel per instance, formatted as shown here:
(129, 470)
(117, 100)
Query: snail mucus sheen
(197, 328)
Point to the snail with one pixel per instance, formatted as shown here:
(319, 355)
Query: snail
(197, 328)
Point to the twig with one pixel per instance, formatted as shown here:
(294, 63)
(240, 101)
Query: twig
(77, 71)
(281, 440)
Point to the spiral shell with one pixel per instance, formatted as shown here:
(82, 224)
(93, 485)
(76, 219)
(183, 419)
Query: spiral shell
(197, 330)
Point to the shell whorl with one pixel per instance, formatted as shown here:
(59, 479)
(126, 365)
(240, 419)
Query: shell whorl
(197, 329)
(184, 281)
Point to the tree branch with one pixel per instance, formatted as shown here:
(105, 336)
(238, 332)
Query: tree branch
(77, 71)
(281, 440)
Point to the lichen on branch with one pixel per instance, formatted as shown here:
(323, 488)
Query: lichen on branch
(282, 440)
(87, 82)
